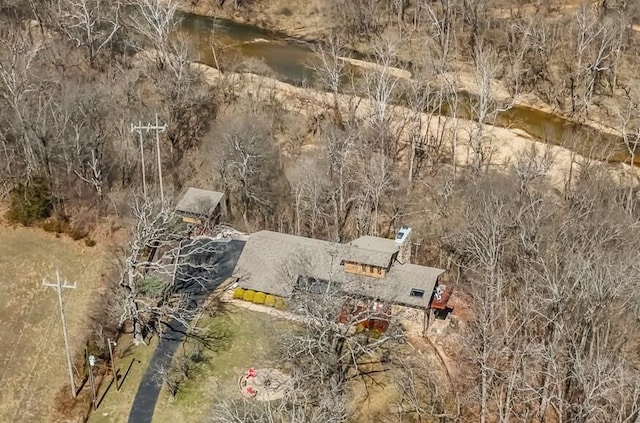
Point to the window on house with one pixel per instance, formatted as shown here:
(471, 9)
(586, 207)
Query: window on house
(312, 285)
(417, 293)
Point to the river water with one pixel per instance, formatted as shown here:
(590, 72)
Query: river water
(291, 61)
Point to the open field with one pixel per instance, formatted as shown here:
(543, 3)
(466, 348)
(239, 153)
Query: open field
(32, 362)
(243, 339)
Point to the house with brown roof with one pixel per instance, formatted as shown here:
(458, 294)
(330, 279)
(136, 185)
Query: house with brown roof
(368, 267)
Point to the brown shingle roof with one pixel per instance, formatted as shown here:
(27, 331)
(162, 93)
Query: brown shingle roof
(271, 262)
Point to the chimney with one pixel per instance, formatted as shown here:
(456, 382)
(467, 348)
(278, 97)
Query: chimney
(403, 241)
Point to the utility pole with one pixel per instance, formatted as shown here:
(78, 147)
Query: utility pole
(415, 251)
(58, 286)
(144, 178)
(158, 128)
(92, 382)
(113, 363)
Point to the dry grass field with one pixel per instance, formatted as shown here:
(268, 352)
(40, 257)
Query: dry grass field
(32, 362)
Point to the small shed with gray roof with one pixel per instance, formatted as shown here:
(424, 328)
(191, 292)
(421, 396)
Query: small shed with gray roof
(200, 206)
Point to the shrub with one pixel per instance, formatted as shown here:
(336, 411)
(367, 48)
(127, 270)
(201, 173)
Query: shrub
(31, 202)
(375, 333)
(238, 294)
(56, 224)
(248, 295)
(270, 300)
(90, 242)
(281, 304)
(360, 327)
(152, 286)
(77, 233)
(259, 298)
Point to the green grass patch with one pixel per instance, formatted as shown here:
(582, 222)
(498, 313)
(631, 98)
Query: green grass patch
(115, 406)
(231, 342)
(152, 286)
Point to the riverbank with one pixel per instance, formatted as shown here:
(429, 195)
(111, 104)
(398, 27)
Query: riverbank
(527, 113)
(503, 148)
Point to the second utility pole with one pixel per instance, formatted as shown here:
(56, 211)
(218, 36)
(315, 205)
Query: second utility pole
(158, 128)
(59, 287)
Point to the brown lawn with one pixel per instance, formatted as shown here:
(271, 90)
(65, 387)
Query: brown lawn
(32, 362)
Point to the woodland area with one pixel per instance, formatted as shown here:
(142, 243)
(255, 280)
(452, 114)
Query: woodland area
(550, 264)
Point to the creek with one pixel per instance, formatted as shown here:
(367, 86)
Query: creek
(290, 60)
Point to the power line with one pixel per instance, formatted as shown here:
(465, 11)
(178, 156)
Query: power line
(146, 128)
(58, 286)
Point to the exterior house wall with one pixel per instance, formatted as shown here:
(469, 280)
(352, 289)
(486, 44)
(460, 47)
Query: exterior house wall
(191, 220)
(365, 269)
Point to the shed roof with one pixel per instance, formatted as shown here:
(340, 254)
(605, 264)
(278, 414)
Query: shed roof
(199, 202)
(271, 262)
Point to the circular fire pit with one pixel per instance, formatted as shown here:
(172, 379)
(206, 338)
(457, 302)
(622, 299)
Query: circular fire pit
(264, 384)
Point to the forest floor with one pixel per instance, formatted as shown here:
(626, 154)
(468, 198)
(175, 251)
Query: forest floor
(32, 360)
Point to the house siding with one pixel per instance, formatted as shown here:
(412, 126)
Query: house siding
(365, 270)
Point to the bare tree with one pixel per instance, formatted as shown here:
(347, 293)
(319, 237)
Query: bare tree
(330, 69)
(485, 107)
(380, 86)
(377, 181)
(342, 153)
(311, 192)
(188, 103)
(542, 328)
(630, 128)
(598, 45)
(248, 166)
(441, 29)
(163, 270)
(17, 88)
(91, 24)
(156, 21)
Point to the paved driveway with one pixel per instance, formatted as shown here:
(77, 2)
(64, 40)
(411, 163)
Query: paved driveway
(196, 277)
